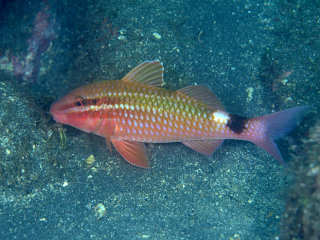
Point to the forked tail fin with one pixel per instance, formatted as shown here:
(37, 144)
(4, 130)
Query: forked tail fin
(278, 125)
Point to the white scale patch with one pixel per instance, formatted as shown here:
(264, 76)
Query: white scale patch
(220, 117)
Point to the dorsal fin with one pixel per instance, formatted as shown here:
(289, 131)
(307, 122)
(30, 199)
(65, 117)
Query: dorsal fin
(202, 93)
(148, 72)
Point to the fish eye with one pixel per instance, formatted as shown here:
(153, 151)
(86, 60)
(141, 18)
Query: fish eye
(79, 101)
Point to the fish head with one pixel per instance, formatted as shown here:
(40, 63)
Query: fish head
(78, 109)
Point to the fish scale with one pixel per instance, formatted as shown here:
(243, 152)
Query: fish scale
(137, 109)
(151, 115)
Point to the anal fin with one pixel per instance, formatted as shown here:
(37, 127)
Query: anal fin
(205, 147)
(133, 152)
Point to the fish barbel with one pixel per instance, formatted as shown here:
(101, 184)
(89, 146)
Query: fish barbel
(136, 109)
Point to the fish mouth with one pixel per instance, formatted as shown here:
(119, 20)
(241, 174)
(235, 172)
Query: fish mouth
(56, 113)
(53, 109)
(61, 106)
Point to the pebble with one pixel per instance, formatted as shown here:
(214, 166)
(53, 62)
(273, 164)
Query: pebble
(156, 35)
(90, 160)
(100, 211)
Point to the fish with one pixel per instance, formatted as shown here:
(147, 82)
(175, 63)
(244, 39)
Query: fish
(137, 109)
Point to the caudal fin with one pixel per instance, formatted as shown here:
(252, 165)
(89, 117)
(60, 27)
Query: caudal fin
(278, 125)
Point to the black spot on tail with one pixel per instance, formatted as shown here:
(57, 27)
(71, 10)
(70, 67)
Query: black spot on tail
(237, 123)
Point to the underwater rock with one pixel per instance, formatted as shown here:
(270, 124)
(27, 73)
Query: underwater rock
(26, 68)
(301, 219)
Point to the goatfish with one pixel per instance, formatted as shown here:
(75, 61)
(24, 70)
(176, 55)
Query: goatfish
(137, 110)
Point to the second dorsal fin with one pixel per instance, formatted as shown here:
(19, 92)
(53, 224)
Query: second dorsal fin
(148, 72)
(203, 94)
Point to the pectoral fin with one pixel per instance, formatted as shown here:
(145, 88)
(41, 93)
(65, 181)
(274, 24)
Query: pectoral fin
(133, 152)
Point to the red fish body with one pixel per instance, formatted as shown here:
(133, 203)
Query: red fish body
(136, 109)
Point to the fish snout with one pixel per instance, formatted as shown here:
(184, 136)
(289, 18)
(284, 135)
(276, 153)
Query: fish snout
(57, 114)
